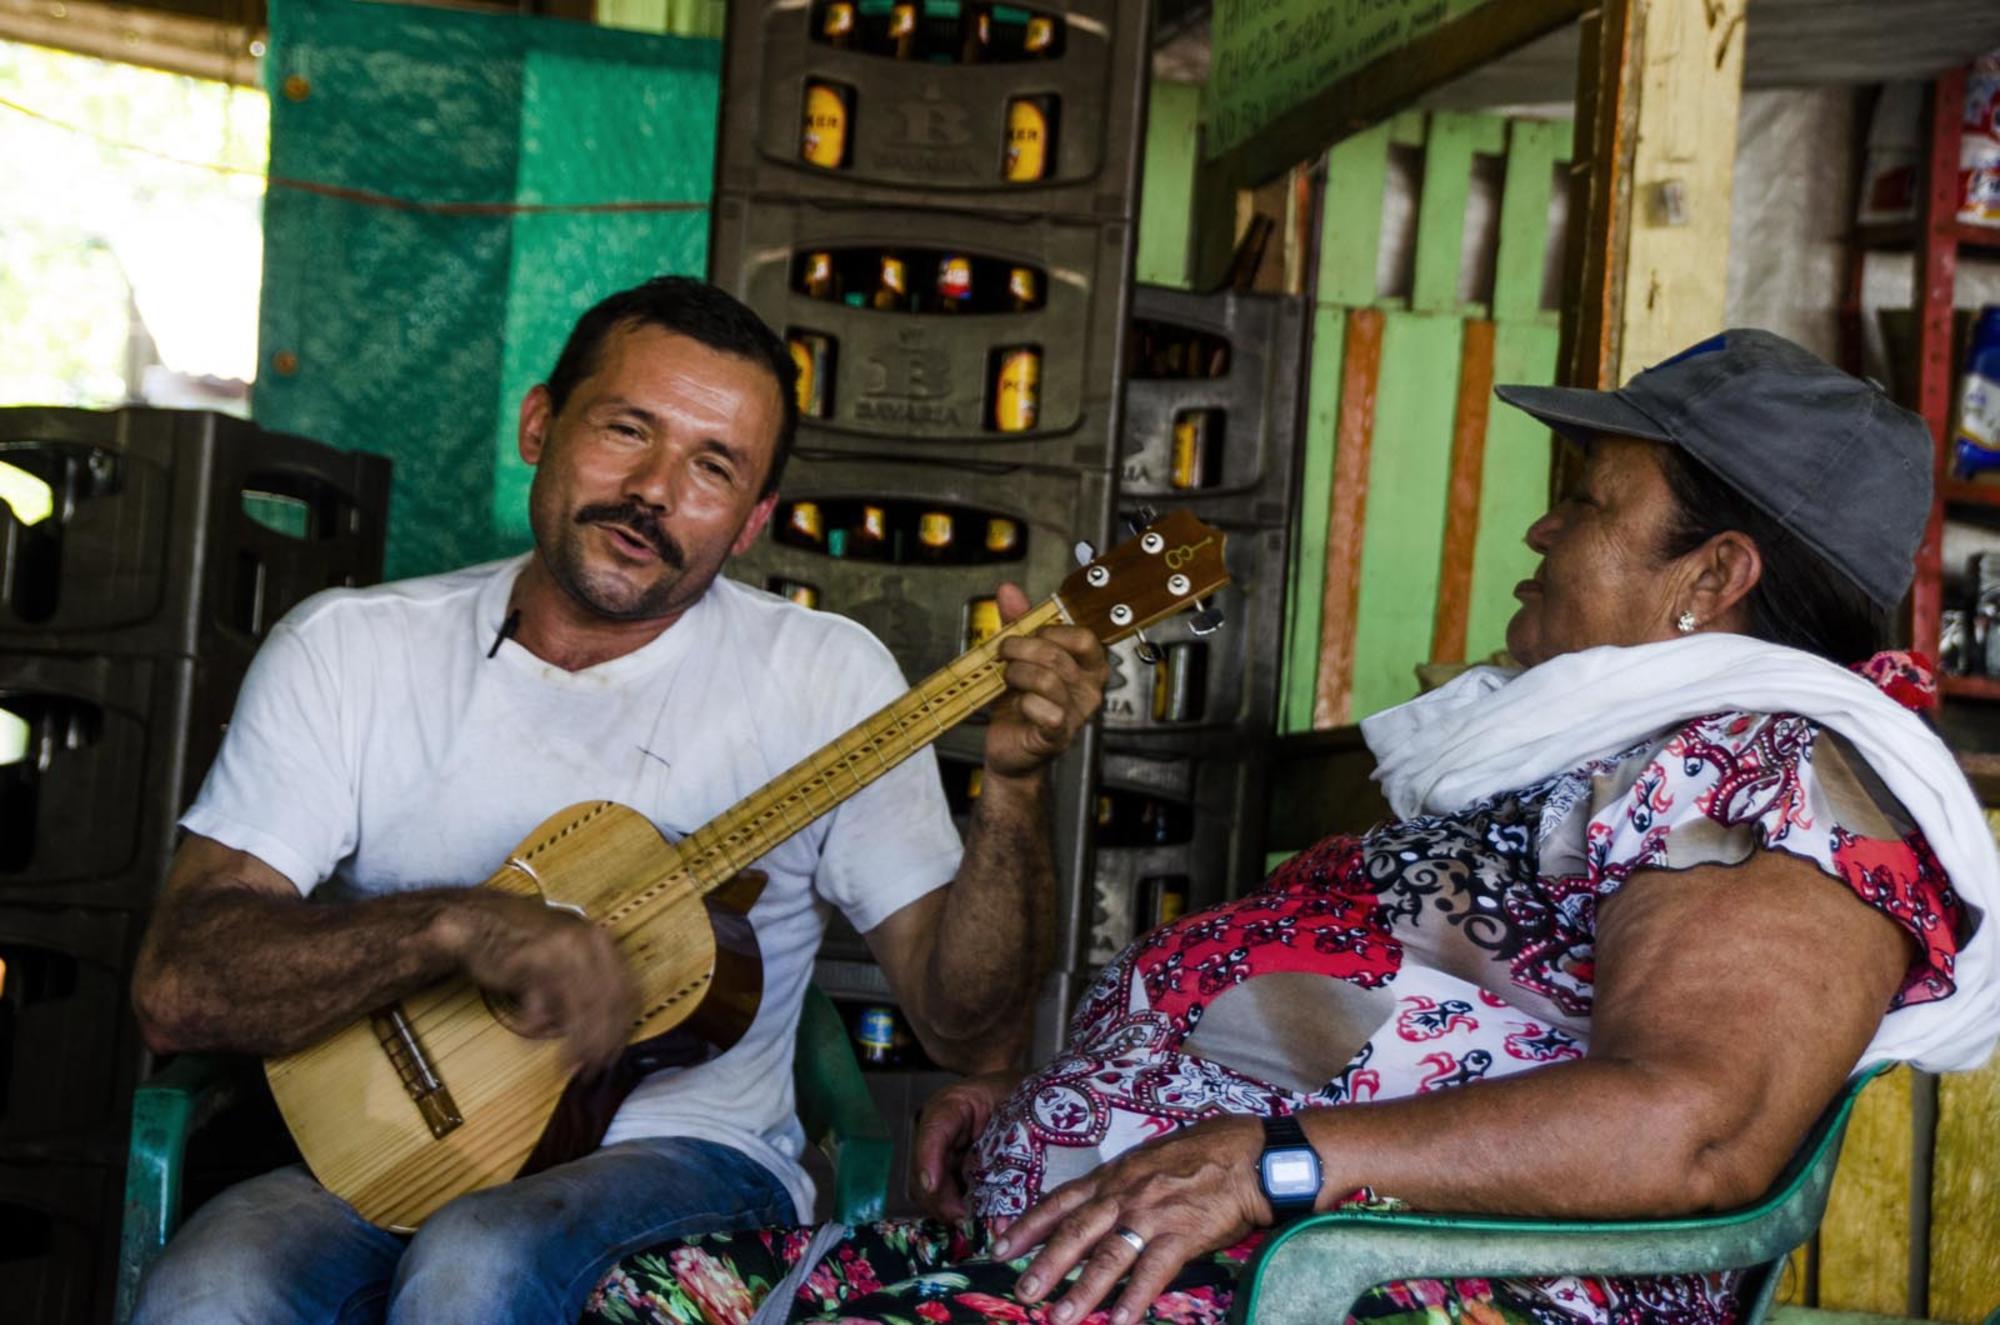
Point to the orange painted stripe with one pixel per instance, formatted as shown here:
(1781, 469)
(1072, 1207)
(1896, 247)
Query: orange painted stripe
(1347, 515)
(1461, 510)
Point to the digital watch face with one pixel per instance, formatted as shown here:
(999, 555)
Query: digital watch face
(1291, 1176)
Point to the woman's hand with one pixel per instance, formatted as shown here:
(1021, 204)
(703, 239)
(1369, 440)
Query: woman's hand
(951, 1121)
(1186, 1194)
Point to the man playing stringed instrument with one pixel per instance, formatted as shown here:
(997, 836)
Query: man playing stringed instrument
(392, 745)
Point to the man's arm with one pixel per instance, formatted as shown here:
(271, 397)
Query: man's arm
(965, 960)
(236, 960)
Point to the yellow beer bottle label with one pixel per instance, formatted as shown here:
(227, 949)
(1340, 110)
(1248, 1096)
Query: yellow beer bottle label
(975, 782)
(1040, 37)
(1027, 139)
(823, 142)
(1002, 535)
(837, 24)
(934, 529)
(1188, 438)
(875, 523)
(806, 523)
(810, 351)
(1018, 397)
(1022, 288)
(819, 275)
(1169, 905)
(903, 28)
(982, 621)
(892, 288)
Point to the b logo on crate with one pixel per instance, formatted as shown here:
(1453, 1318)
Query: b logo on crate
(931, 126)
(898, 384)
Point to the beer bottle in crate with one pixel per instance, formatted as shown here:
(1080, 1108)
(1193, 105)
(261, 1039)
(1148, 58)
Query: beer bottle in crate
(982, 621)
(817, 279)
(805, 595)
(892, 284)
(804, 527)
(903, 30)
(812, 355)
(870, 540)
(836, 24)
(954, 283)
(1003, 539)
(1017, 384)
(934, 530)
(1031, 139)
(828, 119)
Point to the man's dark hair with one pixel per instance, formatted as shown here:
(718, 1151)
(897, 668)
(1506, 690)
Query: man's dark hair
(1801, 600)
(701, 312)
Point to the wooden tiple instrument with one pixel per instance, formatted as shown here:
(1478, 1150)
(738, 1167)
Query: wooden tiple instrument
(436, 1096)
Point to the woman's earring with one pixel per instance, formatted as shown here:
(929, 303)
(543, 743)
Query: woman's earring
(1686, 625)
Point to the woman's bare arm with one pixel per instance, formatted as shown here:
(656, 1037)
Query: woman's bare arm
(1731, 1003)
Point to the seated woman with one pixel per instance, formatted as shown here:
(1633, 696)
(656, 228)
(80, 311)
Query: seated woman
(1648, 905)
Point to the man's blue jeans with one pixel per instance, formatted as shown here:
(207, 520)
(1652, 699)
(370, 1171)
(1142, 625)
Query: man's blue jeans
(281, 1249)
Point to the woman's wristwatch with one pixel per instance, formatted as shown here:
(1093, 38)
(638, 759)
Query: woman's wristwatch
(1288, 1171)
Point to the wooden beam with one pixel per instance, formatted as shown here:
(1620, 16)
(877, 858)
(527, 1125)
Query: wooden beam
(1676, 268)
(200, 47)
(1461, 515)
(1600, 172)
(1347, 516)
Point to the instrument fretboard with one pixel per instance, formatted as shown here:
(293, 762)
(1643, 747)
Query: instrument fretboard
(724, 847)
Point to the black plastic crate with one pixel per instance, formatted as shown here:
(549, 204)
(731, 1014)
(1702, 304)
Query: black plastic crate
(116, 748)
(1247, 418)
(58, 1242)
(925, 384)
(922, 133)
(69, 1047)
(175, 531)
(919, 610)
(1219, 688)
(1206, 838)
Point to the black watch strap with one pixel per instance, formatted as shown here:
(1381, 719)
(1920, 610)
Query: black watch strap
(1284, 1132)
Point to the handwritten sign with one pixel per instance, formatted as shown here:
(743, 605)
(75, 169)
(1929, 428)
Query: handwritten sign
(1271, 55)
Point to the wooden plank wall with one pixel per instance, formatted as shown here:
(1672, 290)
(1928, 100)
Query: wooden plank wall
(1416, 489)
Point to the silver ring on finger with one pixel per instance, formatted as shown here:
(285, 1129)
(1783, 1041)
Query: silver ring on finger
(1133, 1239)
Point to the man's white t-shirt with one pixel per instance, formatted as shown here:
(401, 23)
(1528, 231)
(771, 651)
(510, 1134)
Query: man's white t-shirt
(376, 748)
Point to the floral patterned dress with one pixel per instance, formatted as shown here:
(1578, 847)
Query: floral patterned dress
(1425, 955)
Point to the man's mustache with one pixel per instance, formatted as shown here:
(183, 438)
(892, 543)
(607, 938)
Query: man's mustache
(641, 522)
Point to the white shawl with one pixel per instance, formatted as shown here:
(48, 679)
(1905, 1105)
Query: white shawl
(1492, 730)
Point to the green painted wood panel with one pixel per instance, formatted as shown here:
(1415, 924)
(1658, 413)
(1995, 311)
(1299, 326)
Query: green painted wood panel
(1533, 149)
(1514, 486)
(1166, 196)
(1402, 546)
(1454, 138)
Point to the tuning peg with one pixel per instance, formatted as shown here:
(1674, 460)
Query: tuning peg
(1085, 553)
(1206, 621)
(1148, 652)
(1140, 518)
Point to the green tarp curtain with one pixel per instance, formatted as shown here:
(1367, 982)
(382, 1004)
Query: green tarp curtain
(449, 191)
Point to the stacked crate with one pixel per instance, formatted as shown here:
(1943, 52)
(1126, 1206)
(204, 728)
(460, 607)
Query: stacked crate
(1212, 416)
(992, 154)
(143, 554)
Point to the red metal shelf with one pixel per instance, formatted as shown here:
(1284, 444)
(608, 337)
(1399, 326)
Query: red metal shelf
(1971, 687)
(1979, 240)
(1958, 492)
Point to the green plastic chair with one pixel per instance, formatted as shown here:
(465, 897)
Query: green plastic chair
(1314, 1271)
(833, 1102)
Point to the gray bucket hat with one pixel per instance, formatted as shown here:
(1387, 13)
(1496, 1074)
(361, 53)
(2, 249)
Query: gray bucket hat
(1825, 454)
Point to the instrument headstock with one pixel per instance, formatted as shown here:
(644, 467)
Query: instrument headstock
(1166, 567)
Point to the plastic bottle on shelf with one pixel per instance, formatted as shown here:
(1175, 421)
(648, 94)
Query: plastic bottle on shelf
(1978, 436)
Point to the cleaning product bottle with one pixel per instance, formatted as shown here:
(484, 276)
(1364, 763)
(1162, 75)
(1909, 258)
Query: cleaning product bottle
(1979, 398)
